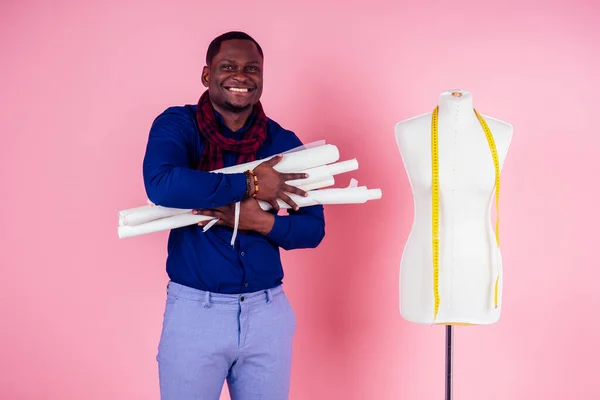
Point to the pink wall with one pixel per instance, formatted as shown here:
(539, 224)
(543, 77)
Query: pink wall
(82, 81)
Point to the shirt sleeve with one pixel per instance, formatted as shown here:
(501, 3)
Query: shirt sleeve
(300, 229)
(169, 178)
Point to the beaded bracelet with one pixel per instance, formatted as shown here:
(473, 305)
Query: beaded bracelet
(251, 178)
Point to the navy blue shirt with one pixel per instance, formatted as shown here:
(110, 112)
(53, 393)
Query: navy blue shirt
(206, 260)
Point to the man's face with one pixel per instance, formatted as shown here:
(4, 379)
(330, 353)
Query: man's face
(234, 78)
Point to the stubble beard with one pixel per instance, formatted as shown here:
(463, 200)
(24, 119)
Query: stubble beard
(235, 108)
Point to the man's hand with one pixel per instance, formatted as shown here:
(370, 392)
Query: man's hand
(272, 186)
(252, 217)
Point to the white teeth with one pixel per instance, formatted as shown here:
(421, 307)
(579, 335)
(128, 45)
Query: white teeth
(243, 90)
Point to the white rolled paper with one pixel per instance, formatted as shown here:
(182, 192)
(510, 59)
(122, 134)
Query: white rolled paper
(146, 213)
(342, 167)
(124, 214)
(140, 215)
(350, 195)
(317, 159)
(318, 185)
(319, 177)
(303, 158)
(172, 222)
(292, 162)
(324, 171)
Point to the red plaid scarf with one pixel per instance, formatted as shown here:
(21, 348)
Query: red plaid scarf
(215, 143)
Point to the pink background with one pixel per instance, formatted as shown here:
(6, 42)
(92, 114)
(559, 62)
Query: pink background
(82, 81)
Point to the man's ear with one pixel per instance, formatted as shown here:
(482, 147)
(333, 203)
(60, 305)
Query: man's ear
(205, 75)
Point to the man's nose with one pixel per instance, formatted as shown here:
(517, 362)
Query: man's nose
(240, 76)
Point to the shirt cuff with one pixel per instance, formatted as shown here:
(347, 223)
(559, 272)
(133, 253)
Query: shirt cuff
(281, 227)
(238, 184)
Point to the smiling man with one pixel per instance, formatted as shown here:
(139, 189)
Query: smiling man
(227, 317)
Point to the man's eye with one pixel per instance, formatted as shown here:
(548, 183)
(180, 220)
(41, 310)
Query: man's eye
(227, 66)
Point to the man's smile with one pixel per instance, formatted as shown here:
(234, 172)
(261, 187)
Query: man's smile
(239, 89)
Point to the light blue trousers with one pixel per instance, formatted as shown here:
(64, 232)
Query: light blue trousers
(209, 338)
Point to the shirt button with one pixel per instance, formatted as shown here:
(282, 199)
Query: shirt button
(242, 254)
(246, 284)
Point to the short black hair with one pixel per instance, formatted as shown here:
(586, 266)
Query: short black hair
(215, 45)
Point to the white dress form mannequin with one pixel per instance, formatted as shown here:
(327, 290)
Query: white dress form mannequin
(469, 259)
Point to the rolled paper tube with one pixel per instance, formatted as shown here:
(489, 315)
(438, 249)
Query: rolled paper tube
(297, 161)
(318, 185)
(343, 167)
(310, 181)
(319, 173)
(148, 213)
(143, 214)
(352, 195)
(314, 175)
(123, 214)
(291, 162)
(134, 210)
(172, 222)
(326, 196)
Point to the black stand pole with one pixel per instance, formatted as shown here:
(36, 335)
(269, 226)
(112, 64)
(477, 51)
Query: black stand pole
(449, 362)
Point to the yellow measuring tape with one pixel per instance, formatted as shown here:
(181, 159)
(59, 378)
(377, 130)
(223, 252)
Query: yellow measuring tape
(435, 202)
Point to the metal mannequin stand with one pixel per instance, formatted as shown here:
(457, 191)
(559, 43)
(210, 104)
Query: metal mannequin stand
(449, 354)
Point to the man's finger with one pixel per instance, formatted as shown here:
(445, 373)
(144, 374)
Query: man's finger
(275, 205)
(294, 176)
(286, 199)
(206, 212)
(295, 190)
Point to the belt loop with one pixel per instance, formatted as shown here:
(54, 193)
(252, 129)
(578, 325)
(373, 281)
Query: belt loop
(207, 299)
(269, 296)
